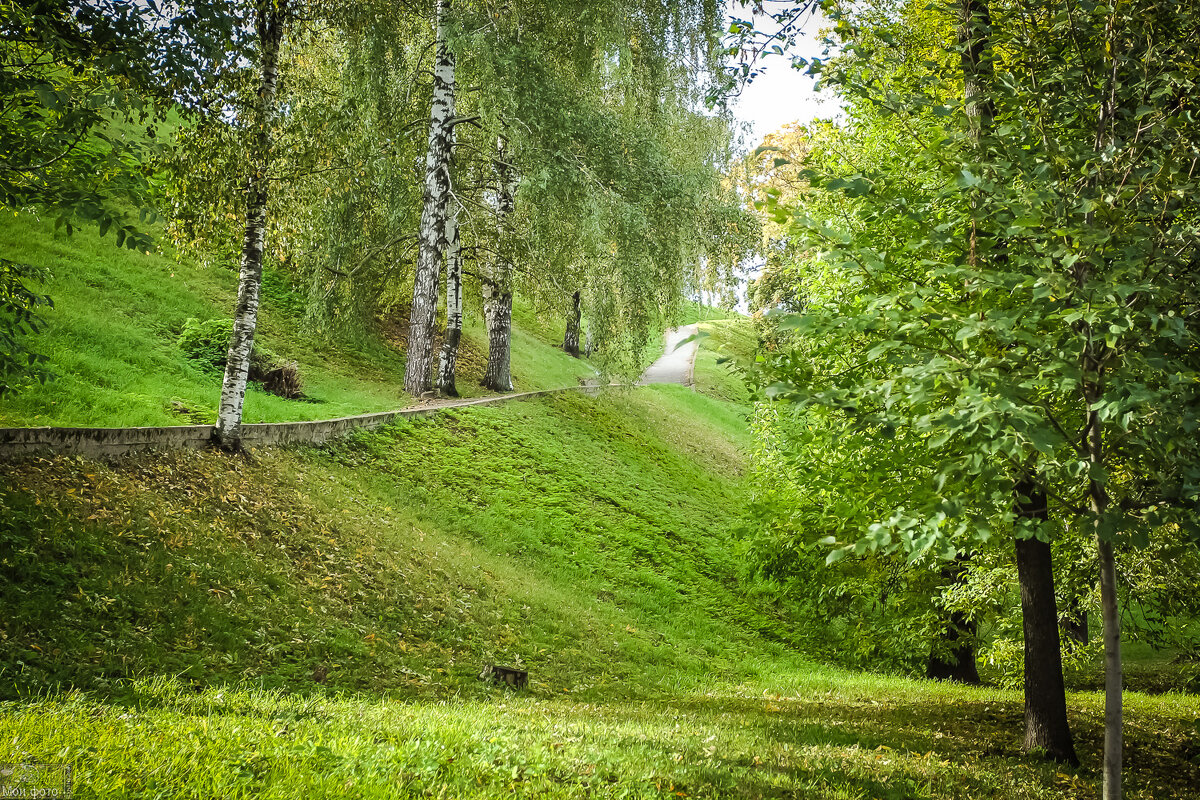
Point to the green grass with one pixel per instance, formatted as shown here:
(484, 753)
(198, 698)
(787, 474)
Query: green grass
(727, 342)
(310, 622)
(811, 733)
(111, 342)
(691, 311)
(305, 623)
(595, 515)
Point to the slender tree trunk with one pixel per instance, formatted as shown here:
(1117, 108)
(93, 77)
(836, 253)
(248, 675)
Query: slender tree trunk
(269, 24)
(1046, 726)
(587, 341)
(497, 288)
(571, 338)
(1098, 500)
(958, 635)
(454, 314)
(1113, 733)
(1094, 357)
(432, 233)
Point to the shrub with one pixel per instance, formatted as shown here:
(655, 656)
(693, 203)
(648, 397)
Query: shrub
(207, 343)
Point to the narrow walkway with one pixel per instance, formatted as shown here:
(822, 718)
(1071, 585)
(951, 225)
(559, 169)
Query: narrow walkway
(678, 362)
(675, 366)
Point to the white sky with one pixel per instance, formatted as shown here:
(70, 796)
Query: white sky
(781, 94)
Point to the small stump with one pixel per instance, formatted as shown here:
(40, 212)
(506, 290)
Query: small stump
(507, 676)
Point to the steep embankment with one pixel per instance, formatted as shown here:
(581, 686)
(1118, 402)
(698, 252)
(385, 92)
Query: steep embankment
(587, 538)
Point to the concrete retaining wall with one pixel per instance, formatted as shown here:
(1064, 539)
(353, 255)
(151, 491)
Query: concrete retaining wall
(100, 442)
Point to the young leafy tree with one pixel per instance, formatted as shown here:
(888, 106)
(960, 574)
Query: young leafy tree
(1036, 314)
(270, 20)
(1046, 725)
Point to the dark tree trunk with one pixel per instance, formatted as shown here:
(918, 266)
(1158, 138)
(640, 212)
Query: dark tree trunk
(571, 338)
(953, 659)
(1076, 631)
(269, 28)
(454, 317)
(1046, 726)
(497, 314)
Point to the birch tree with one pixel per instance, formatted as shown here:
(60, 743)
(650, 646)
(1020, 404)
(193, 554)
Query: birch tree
(496, 282)
(270, 21)
(432, 233)
(574, 320)
(448, 359)
(618, 172)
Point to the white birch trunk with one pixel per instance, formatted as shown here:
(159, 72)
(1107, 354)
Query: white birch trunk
(269, 24)
(432, 233)
(454, 304)
(497, 290)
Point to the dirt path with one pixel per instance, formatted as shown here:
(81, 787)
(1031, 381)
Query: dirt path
(677, 362)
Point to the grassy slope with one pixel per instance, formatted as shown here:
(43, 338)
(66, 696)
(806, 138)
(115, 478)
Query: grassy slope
(727, 342)
(360, 587)
(111, 342)
(308, 623)
(534, 531)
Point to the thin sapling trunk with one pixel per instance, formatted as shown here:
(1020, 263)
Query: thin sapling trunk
(454, 307)
(269, 23)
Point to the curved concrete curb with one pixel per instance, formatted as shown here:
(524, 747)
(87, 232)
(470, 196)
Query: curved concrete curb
(99, 442)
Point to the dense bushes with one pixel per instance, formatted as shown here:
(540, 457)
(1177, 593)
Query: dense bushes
(207, 343)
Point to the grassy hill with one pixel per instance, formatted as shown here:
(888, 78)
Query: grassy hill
(111, 340)
(310, 622)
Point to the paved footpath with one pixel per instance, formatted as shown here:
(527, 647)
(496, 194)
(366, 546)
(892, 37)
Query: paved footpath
(677, 362)
(675, 366)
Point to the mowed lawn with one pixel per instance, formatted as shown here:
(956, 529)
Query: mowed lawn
(791, 730)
